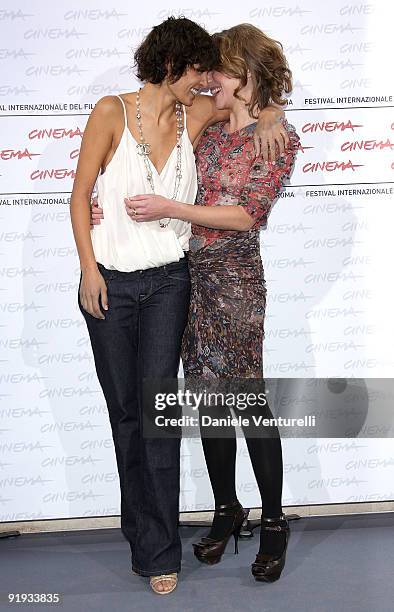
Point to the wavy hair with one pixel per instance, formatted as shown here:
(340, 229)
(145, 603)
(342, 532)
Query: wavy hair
(244, 48)
(171, 47)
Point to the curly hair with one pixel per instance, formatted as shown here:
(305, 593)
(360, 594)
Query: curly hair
(245, 48)
(173, 46)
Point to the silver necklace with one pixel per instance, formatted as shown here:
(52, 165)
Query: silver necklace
(144, 149)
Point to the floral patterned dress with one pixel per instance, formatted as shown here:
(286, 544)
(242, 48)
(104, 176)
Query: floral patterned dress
(225, 329)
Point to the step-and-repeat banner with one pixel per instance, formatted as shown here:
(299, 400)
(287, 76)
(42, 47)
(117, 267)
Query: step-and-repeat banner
(327, 249)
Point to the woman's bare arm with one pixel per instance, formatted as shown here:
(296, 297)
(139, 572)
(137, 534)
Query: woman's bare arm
(221, 216)
(96, 143)
(151, 207)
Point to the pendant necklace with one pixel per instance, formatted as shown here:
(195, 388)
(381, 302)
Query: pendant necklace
(144, 149)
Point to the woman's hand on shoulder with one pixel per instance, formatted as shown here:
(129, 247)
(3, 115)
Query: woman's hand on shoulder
(270, 136)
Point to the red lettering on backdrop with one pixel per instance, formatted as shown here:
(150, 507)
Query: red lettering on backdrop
(7, 154)
(56, 173)
(303, 148)
(330, 126)
(330, 166)
(367, 145)
(74, 153)
(56, 133)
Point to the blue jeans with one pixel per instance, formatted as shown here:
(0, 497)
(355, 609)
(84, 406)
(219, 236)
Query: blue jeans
(140, 337)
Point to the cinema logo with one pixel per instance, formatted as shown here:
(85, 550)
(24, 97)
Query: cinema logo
(288, 468)
(287, 262)
(94, 53)
(14, 54)
(285, 228)
(369, 497)
(293, 49)
(98, 443)
(331, 277)
(302, 148)
(329, 64)
(55, 70)
(97, 89)
(367, 145)
(329, 126)
(320, 314)
(361, 47)
(287, 332)
(12, 15)
(103, 511)
(277, 11)
(134, 33)
(190, 13)
(329, 28)
(9, 154)
(16, 90)
(55, 133)
(93, 14)
(59, 323)
(356, 84)
(286, 297)
(53, 34)
(18, 236)
(336, 482)
(334, 447)
(16, 272)
(356, 9)
(58, 174)
(68, 460)
(332, 347)
(330, 243)
(330, 166)
(288, 367)
(51, 252)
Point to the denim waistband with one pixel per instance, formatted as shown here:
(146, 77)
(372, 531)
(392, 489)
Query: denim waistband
(174, 265)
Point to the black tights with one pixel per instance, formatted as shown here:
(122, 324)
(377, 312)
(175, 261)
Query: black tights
(266, 458)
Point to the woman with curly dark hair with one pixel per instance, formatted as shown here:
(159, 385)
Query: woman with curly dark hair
(225, 331)
(134, 286)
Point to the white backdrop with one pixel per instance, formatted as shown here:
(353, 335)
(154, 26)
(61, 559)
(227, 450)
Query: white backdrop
(327, 250)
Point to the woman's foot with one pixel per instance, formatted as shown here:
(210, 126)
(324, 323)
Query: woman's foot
(227, 522)
(223, 520)
(164, 584)
(273, 536)
(270, 559)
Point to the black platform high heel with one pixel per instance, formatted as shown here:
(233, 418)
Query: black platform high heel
(210, 551)
(268, 568)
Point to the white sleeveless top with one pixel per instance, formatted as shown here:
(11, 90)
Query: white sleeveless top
(123, 244)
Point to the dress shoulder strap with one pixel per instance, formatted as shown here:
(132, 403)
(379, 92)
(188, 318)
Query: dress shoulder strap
(127, 132)
(124, 110)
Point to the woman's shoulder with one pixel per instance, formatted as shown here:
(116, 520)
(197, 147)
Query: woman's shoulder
(211, 134)
(215, 128)
(108, 107)
(112, 103)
